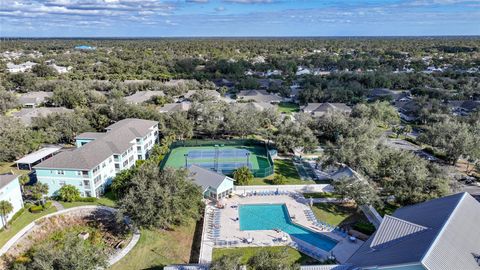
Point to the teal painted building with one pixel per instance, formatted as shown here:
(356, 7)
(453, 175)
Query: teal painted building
(98, 157)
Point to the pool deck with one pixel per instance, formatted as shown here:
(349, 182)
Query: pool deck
(230, 228)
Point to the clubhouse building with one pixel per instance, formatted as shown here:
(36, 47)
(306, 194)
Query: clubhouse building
(98, 157)
(214, 185)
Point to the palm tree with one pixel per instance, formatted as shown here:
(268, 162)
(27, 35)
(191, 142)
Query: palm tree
(5, 209)
(243, 176)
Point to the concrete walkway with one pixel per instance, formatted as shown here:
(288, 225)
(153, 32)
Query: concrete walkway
(58, 205)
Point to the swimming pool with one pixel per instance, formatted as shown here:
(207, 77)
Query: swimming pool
(254, 217)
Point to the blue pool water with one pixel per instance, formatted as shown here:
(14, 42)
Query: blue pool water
(254, 217)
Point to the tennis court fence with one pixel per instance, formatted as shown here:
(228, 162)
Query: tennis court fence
(224, 167)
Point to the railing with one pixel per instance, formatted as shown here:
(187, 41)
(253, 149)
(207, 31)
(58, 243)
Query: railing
(372, 215)
(264, 172)
(309, 249)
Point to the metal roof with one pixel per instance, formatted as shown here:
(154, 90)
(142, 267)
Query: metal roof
(450, 240)
(38, 155)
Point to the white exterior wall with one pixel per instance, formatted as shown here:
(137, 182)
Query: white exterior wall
(13, 194)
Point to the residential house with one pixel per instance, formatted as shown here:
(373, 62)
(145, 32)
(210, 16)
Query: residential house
(388, 94)
(269, 83)
(258, 106)
(213, 94)
(214, 185)
(438, 234)
(61, 69)
(320, 109)
(27, 115)
(463, 107)
(303, 71)
(99, 157)
(143, 96)
(34, 99)
(175, 107)
(409, 109)
(10, 191)
(223, 82)
(259, 96)
(12, 68)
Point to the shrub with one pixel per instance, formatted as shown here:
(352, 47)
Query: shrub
(87, 199)
(279, 179)
(364, 227)
(36, 209)
(47, 205)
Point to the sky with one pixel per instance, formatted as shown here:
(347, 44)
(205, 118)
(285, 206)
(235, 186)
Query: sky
(210, 18)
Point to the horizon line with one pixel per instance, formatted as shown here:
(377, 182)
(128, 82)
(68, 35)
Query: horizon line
(237, 37)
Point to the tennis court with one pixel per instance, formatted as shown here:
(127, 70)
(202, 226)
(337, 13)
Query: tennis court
(222, 158)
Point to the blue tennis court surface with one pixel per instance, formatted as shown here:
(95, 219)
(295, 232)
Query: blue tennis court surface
(222, 153)
(254, 217)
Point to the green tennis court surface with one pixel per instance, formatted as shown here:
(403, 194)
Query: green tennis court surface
(223, 158)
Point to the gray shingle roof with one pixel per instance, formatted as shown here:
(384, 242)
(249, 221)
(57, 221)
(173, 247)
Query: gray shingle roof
(319, 109)
(34, 97)
(5, 179)
(118, 138)
(259, 96)
(206, 178)
(448, 241)
(260, 106)
(142, 96)
(26, 115)
(175, 107)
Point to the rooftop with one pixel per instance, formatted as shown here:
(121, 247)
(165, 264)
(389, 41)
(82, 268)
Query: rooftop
(5, 179)
(26, 115)
(259, 96)
(38, 155)
(439, 234)
(118, 138)
(206, 178)
(142, 96)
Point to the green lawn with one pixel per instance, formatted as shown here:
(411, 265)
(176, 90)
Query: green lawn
(336, 214)
(23, 220)
(107, 200)
(322, 195)
(8, 167)
(286, 168)
(155, 249)
(294, 256)
(288, 107)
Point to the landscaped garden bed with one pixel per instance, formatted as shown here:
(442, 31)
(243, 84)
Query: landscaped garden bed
(54, 237)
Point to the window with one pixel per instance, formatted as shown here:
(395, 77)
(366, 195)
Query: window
(139, 148)
(88, 194)
(60, 172)
(117, 166)
(86, 183)
(139, 157)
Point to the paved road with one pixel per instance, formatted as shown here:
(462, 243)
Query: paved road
(473, 190)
